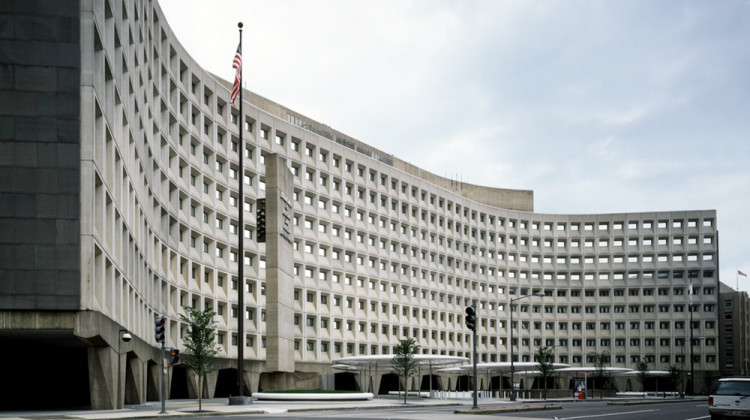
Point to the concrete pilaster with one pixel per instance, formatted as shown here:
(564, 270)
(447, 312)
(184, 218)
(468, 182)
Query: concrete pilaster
(192, 382)
(135, 380)
(363, 381)
(252, 379)
(279, 267)
(102, 371)
(153, 384)
(296, 380)
(209, 385)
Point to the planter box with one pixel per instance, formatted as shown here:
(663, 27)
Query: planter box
(333, 396)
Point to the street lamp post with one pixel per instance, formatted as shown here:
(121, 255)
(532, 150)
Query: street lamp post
(512, 366)
(126, 337)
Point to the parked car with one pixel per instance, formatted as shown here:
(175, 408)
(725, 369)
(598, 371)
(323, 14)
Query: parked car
(730, 399)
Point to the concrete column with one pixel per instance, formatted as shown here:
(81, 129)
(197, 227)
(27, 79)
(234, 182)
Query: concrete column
(252, 379)
(103, 365)
(135, 380)
(192, 382)
(121, 379)
(210, 386)
(359, 379)
(153, 382)
(279, 267)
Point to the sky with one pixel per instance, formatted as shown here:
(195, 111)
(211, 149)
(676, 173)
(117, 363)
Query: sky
(596, 106)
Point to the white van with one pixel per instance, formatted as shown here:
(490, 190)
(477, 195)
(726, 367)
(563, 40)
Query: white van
(730, 399)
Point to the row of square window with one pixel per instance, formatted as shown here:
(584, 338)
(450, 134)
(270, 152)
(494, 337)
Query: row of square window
(382, 264)
(500, 272)
(383, 243)
(602, 226)
(512, 240)
(433, 315)
(322, 203)
(325, 347)
(535, 242)
(349, 280)
(337, 324)
(349, 256)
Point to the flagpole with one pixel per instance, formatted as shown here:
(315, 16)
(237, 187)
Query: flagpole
(241, 243)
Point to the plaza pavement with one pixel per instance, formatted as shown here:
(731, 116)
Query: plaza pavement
(220, 407)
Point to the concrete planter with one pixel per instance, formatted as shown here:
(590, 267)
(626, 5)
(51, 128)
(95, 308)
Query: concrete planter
(333, 396)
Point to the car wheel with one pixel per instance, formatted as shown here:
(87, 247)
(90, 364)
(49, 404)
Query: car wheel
(716, 417)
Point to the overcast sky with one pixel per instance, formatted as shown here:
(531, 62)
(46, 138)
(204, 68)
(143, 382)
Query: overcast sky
(596, 106)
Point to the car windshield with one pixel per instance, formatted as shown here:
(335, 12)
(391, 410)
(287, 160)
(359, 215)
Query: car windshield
(733, 388)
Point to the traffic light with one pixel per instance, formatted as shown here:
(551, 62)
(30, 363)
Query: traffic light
(260, 220)
(471, 318)
(174, 357)
(159, 328)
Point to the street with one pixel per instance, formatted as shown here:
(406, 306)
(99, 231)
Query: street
(687, 410)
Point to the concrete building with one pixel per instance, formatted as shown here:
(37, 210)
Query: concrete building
(119, 202)
(734, 332)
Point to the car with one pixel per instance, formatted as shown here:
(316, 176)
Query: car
(730, 399)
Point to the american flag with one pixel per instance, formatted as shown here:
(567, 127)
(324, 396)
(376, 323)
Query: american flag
(237, 65)
(740, 273)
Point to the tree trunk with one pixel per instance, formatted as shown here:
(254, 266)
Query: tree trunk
(406, 387)
(200, 393)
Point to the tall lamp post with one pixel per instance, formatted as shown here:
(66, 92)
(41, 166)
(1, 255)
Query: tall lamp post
(126, 337)
(512, 366)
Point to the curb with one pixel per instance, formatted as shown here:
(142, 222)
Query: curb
(653, 401)
(513, 409)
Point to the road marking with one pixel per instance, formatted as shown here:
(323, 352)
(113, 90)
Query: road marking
(607, 415)
(697, 418)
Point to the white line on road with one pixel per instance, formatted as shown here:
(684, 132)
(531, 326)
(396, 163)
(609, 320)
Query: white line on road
(607, 415)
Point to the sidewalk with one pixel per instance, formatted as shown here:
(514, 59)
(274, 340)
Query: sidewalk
(220, 406)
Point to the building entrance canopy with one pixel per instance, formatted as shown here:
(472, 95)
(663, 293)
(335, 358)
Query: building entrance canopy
(501, 367)
(590, 370)
(383, 362)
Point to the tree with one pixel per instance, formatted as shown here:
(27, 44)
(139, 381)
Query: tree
(642, 368)
(675, 377)
(200, 347)
(600, 363)
(403, 361)
(544, 356)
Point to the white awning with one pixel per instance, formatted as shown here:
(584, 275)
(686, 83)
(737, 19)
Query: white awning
(383, 362)
(503, 367)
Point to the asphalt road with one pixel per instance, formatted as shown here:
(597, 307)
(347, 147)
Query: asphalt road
(687, 410)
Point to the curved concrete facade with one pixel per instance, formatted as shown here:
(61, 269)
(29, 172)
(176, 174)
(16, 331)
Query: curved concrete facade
(381, 249)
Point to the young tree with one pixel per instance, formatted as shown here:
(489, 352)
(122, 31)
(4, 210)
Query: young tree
(600, 372)
(199, 345)
(544, 357)
(642, 368)
(403, 361)
(675, 377)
